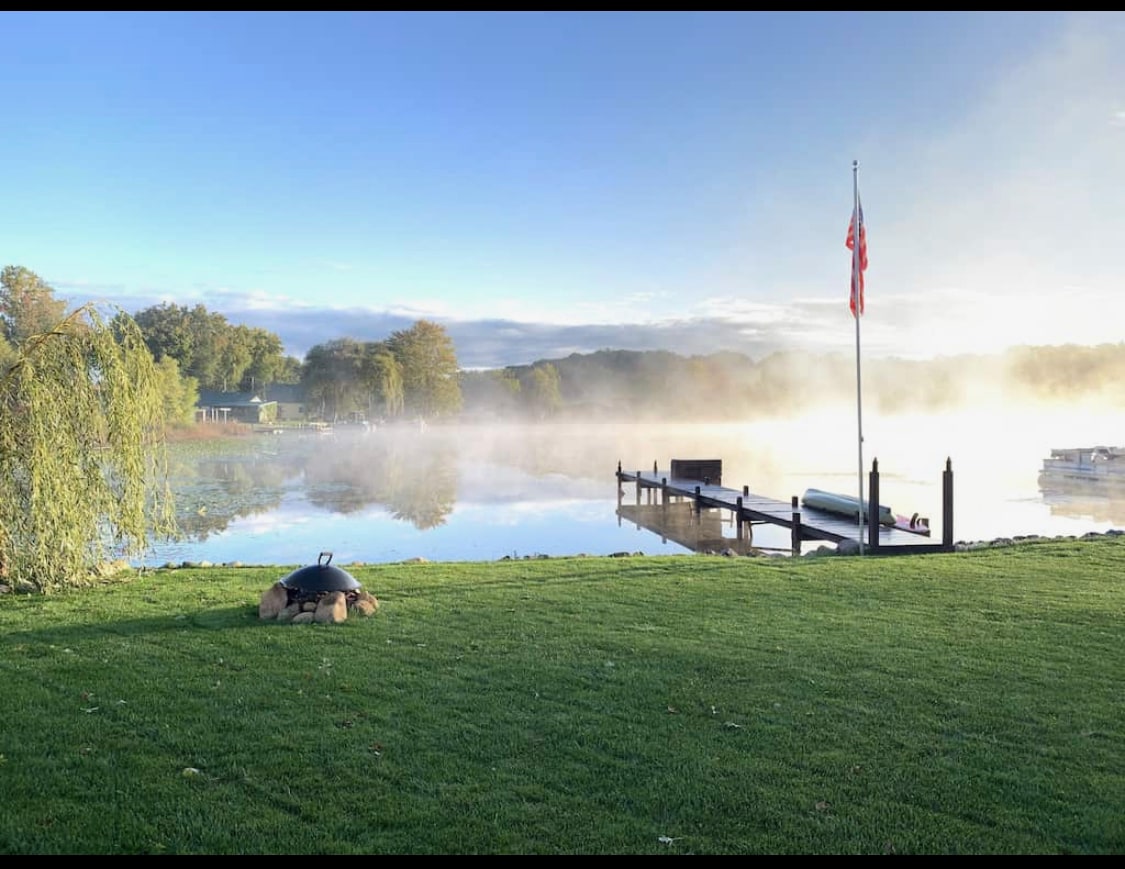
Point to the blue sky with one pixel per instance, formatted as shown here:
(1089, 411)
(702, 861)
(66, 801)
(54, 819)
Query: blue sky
(548, 183)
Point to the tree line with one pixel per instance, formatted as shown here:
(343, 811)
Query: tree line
(415, 372)
(412, 372)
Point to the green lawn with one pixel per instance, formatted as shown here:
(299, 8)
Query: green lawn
(963, 703)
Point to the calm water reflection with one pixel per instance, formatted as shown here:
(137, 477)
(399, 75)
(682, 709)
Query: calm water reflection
(472, 493)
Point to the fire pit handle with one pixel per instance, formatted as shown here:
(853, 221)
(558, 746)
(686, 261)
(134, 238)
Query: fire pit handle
(326, 563)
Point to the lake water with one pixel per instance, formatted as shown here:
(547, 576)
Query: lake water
(482, 493)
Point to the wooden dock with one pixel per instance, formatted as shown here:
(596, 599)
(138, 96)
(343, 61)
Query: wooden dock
(658, 488)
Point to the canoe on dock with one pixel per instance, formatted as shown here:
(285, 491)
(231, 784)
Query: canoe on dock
(843, 505)
(846, 505)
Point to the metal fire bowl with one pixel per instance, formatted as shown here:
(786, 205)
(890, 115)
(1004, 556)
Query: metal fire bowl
(321, 576)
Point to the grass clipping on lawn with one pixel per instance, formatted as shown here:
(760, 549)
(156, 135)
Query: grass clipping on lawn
(952, 703)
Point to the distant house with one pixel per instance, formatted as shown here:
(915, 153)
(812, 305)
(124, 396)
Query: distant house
(234, 407)
(290, 401)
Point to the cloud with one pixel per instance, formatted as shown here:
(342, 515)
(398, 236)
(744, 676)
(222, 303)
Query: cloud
(495, 343)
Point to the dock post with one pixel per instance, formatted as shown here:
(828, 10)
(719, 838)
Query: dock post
(738, 519)
(698, 506)
(664, 494)
(947, 505)
(796, 530)
(638, 488)
(873, 524)
(620, 491)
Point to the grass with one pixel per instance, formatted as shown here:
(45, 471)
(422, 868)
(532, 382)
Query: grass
(964, 703)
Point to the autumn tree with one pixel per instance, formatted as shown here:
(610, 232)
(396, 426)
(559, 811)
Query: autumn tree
(7, 355)
(431, 386)
(332, 376)
(81, 451)
(382, 375)
(289, 371)
(179, 395)
(414, 371)
(235, 355)
(167, 332)
(268, 362)
(216, 353)
(27, 305)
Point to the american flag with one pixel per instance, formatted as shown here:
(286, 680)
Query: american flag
(855, 301)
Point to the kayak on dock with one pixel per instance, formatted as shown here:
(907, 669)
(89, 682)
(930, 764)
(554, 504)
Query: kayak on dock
(844, 505)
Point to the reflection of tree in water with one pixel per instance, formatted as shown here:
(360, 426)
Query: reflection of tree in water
(413, 475)
(423, 489)
(212, 491)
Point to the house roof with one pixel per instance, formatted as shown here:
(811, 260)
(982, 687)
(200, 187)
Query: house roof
(287, 393)
(215, 398)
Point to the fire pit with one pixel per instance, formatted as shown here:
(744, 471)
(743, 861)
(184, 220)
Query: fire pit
(317, 593)
(320, 577)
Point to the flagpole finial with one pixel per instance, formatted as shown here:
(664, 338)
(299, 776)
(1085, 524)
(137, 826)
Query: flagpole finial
(855, 164)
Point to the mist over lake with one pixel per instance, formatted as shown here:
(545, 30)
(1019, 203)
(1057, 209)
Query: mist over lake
(486, 492)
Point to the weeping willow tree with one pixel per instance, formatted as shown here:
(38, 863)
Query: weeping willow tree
(83, 474)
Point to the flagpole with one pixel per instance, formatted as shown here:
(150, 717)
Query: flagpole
(857, 298)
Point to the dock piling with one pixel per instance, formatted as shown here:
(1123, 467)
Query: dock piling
(947, 505)
(873, 524)
(795, 537)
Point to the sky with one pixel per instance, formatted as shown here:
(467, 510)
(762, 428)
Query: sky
(548, 183)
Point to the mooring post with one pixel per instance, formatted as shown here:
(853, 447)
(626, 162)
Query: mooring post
(620, 491)
(738, 519)
(664, 494)
(947, 505)
(638, 487)
(873, 524)
(795, 541)
(698, 506)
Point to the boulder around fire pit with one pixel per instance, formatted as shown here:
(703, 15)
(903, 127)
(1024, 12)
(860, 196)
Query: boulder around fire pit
(317, 593)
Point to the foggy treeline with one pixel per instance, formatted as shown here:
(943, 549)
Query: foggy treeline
(415, 372)
(660, 385)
